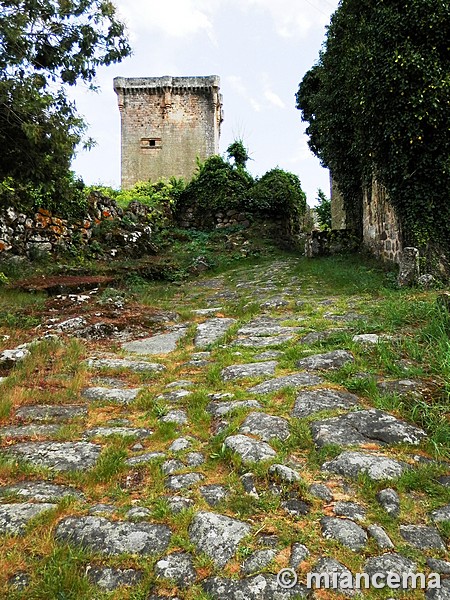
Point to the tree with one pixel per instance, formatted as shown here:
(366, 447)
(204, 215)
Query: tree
(323, 210)
(239, 153)
(377, 106)
(45, 46)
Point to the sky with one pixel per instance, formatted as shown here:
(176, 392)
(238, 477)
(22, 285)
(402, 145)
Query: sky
(260, 49)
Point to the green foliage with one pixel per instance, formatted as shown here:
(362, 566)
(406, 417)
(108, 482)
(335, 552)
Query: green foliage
(278, 193)
(217, 185)
(323, 210)
(160, 198)
(64, 196)
(46, 45)
(377, 106)
(239, 153)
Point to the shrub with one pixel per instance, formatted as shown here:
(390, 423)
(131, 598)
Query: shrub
(278, 193)
(217, 185)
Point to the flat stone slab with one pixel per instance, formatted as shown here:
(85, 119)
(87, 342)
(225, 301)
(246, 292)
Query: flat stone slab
(214, 494)
(317, 336)
(163, 343)
(366, 426)
(116, 395)
(137, 366)
(212, 330)
(402, 387)
(143, 458)
(254, 341)
(178, 567)
(390, 501)
(183, 482)
(258, 587)
(267, 326)
(109, 579)
(390, 563)
(15, 517)
(179, 417)
(234, 372)
(312, 401)
(326, 362)
(376, 466)
(284, 473)
(29, 431)
(40, 491)
(295, 380)
(441, 514)
(178, 503)
(335, 569)
(350, 510)
(422, 537)
(380, 536)
(248, 449)
(221, 409)
(113, 537)
(175, 395)
(266, 427)
(217, 536)
(60, 456)
(138, 432)
(442, 593)
(258, 561)
(346, 532)
(51, 412)
(10, 358)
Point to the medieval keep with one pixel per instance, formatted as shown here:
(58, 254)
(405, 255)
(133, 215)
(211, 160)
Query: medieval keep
(167, 122)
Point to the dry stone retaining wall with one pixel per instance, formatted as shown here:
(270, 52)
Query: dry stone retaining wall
(39, 233)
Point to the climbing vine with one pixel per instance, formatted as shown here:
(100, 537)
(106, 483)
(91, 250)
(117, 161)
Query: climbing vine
(378, 106)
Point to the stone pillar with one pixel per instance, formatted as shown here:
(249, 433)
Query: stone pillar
(409, 267)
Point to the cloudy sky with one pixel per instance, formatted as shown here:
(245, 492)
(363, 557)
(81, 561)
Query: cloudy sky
(260, 49)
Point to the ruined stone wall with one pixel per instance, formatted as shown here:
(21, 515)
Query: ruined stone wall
(381, 227)
(167, 122)
(41, 233)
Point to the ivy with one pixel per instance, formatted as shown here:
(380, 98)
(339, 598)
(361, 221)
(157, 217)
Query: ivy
(378, 105)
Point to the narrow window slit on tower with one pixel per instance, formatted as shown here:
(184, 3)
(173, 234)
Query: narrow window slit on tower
(150, 143)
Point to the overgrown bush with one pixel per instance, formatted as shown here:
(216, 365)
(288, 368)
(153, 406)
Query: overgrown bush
(160, 198)
(217, 185)
(278, 193)
(65, 197)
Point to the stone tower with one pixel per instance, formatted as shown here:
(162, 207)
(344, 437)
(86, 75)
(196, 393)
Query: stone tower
(167, 122)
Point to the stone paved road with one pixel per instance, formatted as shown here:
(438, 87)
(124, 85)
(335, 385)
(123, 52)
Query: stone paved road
(240, 460)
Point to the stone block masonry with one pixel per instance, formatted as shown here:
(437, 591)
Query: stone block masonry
(167, 123)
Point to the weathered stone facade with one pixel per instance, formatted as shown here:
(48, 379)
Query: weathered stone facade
(379, 230)
(167, 122)
(381, 227)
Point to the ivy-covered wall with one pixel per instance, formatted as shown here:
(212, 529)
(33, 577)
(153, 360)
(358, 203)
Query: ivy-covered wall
(381, 227)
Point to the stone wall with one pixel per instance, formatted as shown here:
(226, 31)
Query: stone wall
(105, 228)
(381, 227)
(167, 123)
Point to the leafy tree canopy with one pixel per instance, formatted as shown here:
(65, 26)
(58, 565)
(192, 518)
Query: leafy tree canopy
(45, 46)
(377, 104)
(61, 40)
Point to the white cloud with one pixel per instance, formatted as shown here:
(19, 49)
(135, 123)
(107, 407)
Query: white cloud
(175, 18)
(274, 99)
(302, 151)
(293, 17)
(237, 84)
